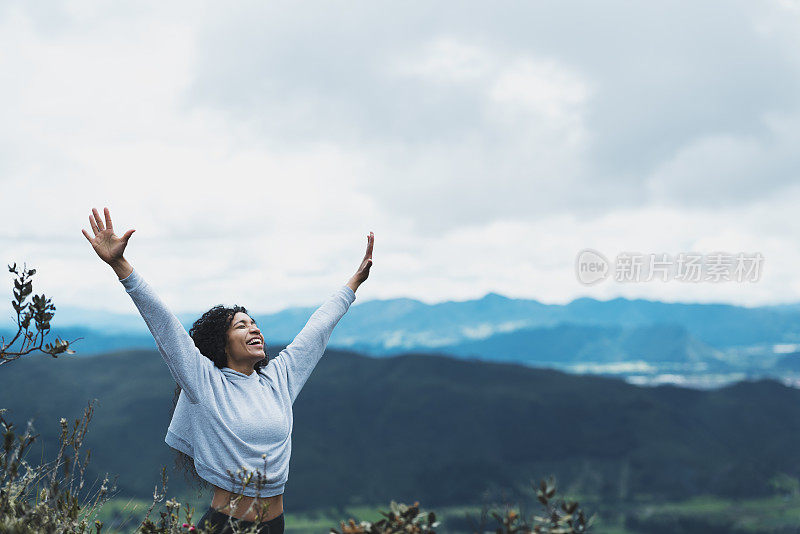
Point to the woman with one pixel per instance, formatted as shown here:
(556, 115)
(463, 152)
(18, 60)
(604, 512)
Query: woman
(234, 412)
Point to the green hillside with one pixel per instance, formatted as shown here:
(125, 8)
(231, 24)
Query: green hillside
(441, 430)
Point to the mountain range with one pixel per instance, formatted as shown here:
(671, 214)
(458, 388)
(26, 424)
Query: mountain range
(587, 335)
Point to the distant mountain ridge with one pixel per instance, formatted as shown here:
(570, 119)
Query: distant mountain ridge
(500, 328)
(568, 343)
(403, 323)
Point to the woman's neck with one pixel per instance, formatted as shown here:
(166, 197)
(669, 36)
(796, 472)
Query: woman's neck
(246, 368)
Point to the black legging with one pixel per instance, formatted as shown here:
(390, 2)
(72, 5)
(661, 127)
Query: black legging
(219, 523)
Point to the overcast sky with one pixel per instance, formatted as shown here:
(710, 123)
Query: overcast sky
(254, 145)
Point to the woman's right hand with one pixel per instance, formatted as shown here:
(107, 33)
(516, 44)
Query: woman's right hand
(105, 243)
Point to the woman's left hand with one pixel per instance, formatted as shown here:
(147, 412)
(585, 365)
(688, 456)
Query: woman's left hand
(363, 270)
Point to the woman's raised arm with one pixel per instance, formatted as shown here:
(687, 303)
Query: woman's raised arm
(190, 369)
(296, 362)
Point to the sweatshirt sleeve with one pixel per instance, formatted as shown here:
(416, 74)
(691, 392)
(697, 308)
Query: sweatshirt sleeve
(190, 369)
(297, 361)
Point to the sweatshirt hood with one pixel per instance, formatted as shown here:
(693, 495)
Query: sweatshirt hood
(236, 375)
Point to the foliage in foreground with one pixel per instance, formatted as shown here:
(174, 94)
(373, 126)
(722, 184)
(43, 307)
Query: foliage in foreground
(559, 517)
(52, 496)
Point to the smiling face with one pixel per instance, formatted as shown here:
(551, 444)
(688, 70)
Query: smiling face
(245, 343)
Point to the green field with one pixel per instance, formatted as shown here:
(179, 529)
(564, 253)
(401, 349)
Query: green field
(702, 515)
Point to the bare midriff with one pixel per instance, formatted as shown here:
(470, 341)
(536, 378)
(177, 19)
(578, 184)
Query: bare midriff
(247, 508)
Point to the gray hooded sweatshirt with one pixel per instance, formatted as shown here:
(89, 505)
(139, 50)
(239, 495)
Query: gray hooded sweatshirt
(230, 423)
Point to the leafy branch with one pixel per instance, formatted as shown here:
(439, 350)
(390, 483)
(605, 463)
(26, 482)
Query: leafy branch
(402, 518)
(559, 516)
(34, 314)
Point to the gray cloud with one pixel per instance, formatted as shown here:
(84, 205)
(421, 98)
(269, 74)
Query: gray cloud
(663, 77)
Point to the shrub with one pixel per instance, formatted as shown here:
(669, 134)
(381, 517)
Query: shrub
(559, 517)
(50, 497)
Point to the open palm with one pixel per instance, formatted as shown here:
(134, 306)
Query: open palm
(363, 270)
(108, 246)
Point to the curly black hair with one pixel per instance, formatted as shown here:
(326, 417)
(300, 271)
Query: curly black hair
(209, 334)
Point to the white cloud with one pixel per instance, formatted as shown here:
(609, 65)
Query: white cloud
(447, 60)
(545, 87)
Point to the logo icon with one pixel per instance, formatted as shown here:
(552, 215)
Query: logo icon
(591, 267)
